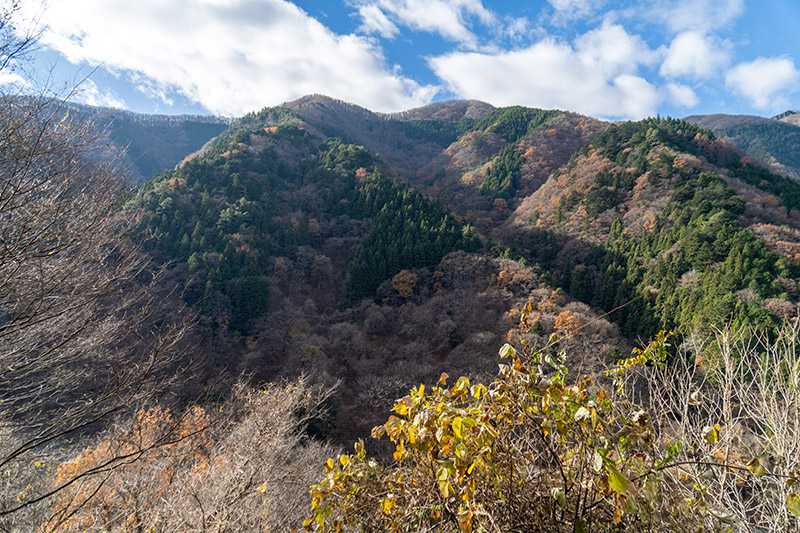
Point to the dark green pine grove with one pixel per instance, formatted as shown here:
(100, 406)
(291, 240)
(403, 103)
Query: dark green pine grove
(408, 231)
(512, 124)
(502, 177)
(515, 122)
(697, 267)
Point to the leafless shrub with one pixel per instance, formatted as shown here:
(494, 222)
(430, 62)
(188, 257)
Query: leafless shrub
(750, 388)
(241, 467)
(261, 466)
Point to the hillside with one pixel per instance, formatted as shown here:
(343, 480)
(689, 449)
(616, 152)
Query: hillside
(144, 145)
(775, 142)
(315, 231)
(321, 247)
(304, 252)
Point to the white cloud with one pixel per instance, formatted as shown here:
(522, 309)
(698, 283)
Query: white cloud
(695, 54)
(376, 21)
(681, 95)
(568, 9)
(612, 50)
(766, 81)
(448, 18)
(697, 15)
(230, 56)
(90, 94)
(9, 78)
(598, 75)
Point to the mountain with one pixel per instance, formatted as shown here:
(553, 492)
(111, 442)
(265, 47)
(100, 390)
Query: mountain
(144, 145)
(791, 117)
(580, 197)
(317, 244)
(774, 141)
(303, 251)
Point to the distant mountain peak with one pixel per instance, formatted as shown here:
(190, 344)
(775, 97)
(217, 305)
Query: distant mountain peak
(786, 114)
(449, 111)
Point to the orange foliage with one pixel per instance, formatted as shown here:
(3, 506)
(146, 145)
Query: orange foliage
(649, 221)
(404, 283)
(568, 322)
(121, 474)
(361, 173)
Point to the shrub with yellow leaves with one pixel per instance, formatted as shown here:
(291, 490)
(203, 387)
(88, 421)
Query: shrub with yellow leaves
(529, 452)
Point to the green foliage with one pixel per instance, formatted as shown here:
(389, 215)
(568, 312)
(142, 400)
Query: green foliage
(226, 214)
(687, 271)
(695, 265)
(599, 199)
(337, 153)
(502, 176)
(767, 140)
(269, 116)
(214, 214)
(408, 231)
(515, 122)
(643, 135)
(441, 132)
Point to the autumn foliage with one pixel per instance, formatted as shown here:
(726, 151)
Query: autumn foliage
(404, 282)
(132, 470)
(241, 467)
(532, 452)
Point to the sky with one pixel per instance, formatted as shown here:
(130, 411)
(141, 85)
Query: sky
(610, 59)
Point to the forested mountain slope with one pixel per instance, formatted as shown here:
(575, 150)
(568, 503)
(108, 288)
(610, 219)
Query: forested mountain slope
(143, 145)
(371, 253)
(318, 221)
(303, 252)
(661, 213)
(775, 142)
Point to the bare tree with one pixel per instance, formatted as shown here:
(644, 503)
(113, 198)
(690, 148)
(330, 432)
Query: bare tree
(83, 331)
(737, 415)
(242, 467)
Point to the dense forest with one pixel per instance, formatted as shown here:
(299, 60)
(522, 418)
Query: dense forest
(318, 260)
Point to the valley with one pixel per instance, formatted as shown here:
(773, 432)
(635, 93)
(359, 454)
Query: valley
(321, 245)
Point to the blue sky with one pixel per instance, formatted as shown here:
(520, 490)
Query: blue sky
(604, 58)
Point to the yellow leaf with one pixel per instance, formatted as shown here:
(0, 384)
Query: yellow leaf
(615, 480)
(388, 505)
(756, 467)
(793, 503)
(711, 434)
(400, 452)
(457, 427)
(507, 351)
